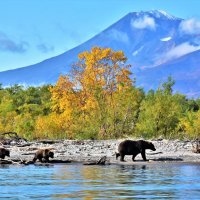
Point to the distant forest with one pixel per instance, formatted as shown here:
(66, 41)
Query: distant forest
(98, 100)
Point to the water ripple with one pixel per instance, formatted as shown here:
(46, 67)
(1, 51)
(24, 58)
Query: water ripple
(163, 181)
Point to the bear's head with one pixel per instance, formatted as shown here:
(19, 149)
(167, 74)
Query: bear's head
(51, 154)
(151, 146)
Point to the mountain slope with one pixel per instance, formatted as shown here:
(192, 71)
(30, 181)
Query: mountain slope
(185, 70)
(153, 42)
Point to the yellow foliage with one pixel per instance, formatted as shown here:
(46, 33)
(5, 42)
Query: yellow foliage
(7, 122)
(85, 98)
(50, 126)
(190, 124)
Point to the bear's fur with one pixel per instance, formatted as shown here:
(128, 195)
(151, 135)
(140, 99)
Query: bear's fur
(43, 155)
(130, 147)
(4, 152)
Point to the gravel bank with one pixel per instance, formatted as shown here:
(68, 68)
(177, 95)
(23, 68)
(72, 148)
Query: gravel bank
(91, 150)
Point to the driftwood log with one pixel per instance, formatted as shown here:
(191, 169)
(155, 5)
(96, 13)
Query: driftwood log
(28, 162)
(59, 161)
(8, 137)
(3, 162)
(152, 153)
(101, 161)
(48, 141)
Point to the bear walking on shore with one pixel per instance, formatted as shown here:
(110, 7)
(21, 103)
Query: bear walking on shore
(130, 147)
(43, 155)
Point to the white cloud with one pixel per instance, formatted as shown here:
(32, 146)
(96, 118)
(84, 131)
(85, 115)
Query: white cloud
(118, 35)
(144, 22)
(190, 26)
(180, 50)
(165, 39)
(137, 51)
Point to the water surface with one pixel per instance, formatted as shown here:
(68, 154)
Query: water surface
(76, 181)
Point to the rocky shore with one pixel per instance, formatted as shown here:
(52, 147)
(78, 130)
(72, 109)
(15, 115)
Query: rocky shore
(92, 150)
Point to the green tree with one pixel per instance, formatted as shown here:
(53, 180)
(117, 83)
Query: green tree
(159, 113)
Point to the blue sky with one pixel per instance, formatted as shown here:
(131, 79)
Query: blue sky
(34, 30)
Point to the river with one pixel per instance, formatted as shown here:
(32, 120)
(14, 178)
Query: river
(77, 181)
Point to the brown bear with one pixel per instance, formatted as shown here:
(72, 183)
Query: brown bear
(4, 152)
(43, 155)
(130, 147)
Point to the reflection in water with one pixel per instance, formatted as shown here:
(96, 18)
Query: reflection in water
(151, 181)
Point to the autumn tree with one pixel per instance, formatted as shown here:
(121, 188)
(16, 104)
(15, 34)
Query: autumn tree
(189, 125)
(190, 121)
(97, 98)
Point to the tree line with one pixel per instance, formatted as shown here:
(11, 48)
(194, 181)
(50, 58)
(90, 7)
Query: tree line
(98, 99)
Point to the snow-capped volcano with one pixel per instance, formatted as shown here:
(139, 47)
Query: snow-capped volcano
(161, 14)
(151, 40)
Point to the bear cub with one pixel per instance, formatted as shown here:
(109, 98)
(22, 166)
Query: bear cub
(43, 155)
(131, 147)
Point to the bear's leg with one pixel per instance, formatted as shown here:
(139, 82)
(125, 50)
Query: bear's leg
(143, 155)
(34, 159)
(122, 157)
(133, 157)
(117, 155)
(46, 159)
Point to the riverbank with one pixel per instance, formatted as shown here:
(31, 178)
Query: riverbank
(93, 150)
